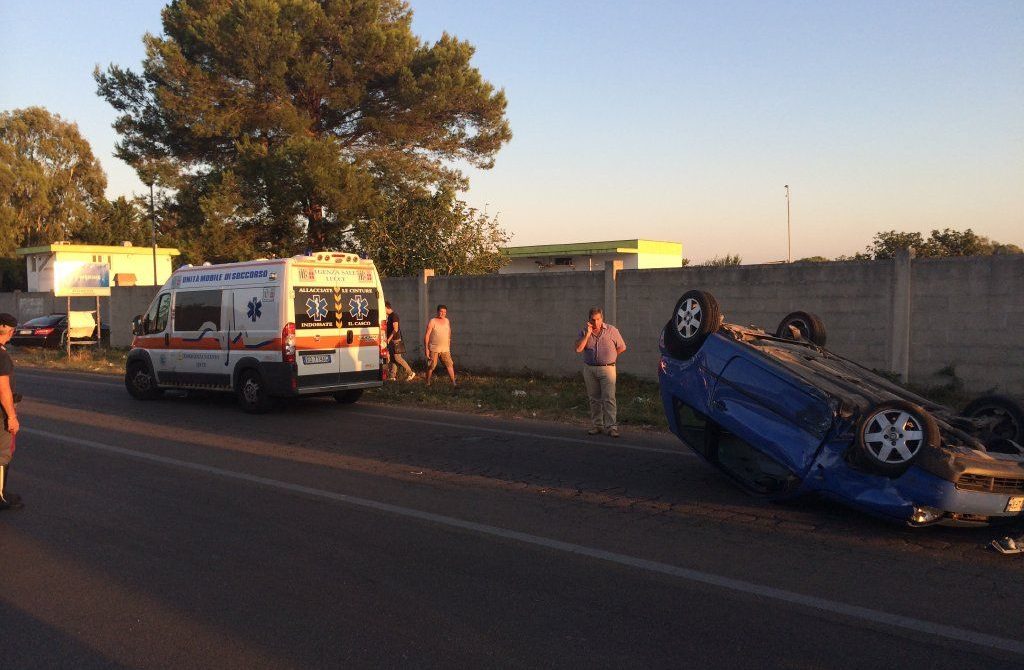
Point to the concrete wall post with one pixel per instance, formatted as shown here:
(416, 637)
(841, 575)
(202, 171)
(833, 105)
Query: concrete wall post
(422, 301)
(611, 271)
(902, 287)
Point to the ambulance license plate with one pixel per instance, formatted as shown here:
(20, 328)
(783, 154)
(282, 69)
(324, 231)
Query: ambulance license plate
(316, 359)
(1015, 504)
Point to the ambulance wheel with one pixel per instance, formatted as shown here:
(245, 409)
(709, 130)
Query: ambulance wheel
(348, 397)
(252, 393)
(140, 382)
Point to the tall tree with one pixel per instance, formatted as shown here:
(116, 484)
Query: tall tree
(115, 222)
(50, 183)
(314, 107)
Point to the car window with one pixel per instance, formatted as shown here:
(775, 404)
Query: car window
(43, 321)
(692, 426)
(197, 310)
(752, 468)
(156, 318)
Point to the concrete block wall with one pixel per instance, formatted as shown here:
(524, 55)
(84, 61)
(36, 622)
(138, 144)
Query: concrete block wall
(853, 299)
(914, 317)
(516, 322)
(127, 303)
(402, 293)
(969, 313)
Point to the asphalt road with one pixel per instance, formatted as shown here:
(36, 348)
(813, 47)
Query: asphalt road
(183, 533)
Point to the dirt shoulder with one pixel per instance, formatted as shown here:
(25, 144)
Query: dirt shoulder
(561, 399)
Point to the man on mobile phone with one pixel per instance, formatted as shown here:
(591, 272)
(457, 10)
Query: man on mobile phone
(600, 343)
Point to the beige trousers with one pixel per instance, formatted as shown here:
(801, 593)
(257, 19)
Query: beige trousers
(600, 381)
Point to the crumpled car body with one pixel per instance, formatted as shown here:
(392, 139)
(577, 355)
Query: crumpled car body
(781, 417)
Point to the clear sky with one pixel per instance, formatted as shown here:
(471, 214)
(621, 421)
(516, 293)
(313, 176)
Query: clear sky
(675, 121)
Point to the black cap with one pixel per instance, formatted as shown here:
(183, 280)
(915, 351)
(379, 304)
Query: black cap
(8, 320)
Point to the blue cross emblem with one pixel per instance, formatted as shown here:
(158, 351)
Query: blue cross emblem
(316, 308)
(255, 309)
(359, 308)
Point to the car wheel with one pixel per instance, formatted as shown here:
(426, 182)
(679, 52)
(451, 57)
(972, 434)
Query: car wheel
(892, 434)
(1000, 418)
(63, 340)
(252, 393)
(348, 397)
(696, 315)
(802, 326)
(140, 382)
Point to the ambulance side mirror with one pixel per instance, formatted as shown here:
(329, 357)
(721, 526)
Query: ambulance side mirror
(137, 325)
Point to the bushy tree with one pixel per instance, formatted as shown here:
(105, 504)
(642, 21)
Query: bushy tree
(939, 244)
(51, 185)
(315, 108)
(724, 261)
(422, 230)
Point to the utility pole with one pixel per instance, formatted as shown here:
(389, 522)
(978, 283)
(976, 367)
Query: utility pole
(153, 220)
(789, 233)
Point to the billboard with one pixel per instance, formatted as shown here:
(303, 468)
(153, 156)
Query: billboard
(74, 278)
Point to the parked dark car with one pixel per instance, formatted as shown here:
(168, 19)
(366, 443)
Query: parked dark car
(783, 417)
(50, 331)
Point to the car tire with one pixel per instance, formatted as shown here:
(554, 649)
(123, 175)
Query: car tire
(252, 393)
(891, 435)
(348, 397)
(696, 315)
(1005, 418)
(62, 341)
(809, 326)
(141, 382)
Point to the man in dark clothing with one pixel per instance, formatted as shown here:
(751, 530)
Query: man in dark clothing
(10, 417)
(396, 347)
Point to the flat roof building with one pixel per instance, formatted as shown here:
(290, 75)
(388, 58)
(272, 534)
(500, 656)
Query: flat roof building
(128, 265)
(587, 256)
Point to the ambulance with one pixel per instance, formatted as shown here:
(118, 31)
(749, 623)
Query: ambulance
(264, 329)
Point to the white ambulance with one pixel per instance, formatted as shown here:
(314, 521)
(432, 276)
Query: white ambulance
(307, 325)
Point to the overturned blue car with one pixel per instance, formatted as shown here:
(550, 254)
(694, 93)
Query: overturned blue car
(783, 416)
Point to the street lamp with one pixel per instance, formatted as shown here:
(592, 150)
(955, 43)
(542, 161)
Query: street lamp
(789, 234)
(152, 220)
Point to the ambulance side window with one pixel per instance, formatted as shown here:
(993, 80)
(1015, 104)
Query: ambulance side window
(197, 310)
(156, 318)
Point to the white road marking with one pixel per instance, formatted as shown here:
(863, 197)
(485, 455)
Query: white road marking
(447, 424)
(865, 614)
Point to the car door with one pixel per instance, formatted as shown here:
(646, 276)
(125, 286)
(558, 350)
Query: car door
(156, 338)
(359, 353)
(318, 336)
(772, 412)
(198, 338)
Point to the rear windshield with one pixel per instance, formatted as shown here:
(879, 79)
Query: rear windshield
(42, 321)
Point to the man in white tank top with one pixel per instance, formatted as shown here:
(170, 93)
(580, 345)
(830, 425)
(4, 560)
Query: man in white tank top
(437, 343)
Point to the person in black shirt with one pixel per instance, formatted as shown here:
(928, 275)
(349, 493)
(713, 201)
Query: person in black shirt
(10, 417)
(395, 345)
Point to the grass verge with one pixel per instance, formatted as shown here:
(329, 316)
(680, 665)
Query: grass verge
(527, 396)
(83, 359)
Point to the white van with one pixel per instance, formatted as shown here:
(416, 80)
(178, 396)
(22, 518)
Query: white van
(307, 325)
